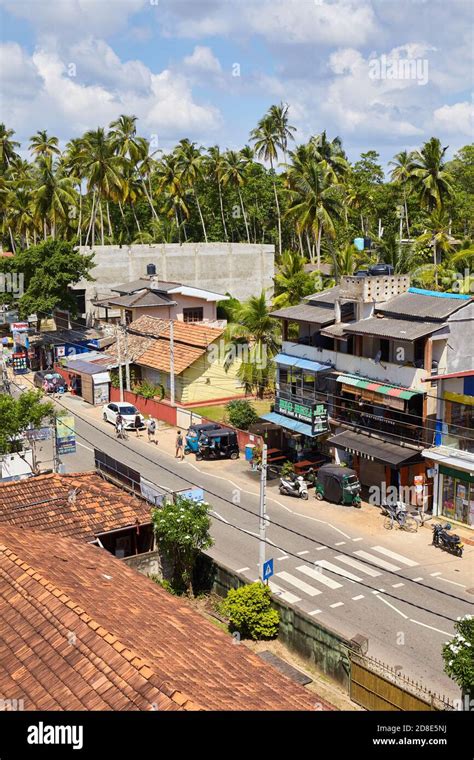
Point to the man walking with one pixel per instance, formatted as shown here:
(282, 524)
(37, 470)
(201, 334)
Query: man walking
(151, 430)
(179, 446)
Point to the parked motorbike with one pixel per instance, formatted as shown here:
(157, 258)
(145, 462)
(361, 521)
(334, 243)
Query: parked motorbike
(449, 541)
(295, 486)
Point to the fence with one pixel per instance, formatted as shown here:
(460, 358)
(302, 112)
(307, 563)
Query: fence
(157, 409)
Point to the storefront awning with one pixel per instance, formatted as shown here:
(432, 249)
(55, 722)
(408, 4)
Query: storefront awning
(294, 361)
(369, 385)
(374, 448)
(289, 424)
(453, 458)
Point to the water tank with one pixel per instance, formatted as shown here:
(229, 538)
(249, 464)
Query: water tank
(150, 270)
(359, 243)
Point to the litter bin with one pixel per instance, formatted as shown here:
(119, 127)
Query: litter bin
(249, 449)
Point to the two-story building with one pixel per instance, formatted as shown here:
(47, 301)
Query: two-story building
(365, 349)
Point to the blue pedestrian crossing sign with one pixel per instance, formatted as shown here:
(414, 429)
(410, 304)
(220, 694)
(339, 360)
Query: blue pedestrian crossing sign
(267, 569)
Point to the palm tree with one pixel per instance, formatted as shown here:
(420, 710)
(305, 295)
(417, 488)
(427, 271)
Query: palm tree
(7, 147)
(19, 217)
(234, 173)
(104, 172)
(402, 174)
(430, 177)
(253, 326)
(190, 161)
(170, 185)
(437, 236)
(292, 282)
(215, 167)
(53, 195)
(266, 140)
(145, 169)
(315, 202)
(284, 131)
(41, 145)
(123, 138)
(332, 153)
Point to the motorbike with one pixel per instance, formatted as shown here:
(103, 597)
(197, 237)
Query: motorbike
(449, 541)
(295, 486)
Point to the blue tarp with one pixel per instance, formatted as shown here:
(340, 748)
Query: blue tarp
(286, 422)
(436, 293)
(293, 361)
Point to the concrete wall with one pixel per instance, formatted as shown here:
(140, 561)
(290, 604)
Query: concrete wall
(241, 269)
(461, 341)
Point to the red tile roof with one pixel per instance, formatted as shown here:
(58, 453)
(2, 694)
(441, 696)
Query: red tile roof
(79, 630)
(94, 505)
(191, 334)
(157, 356)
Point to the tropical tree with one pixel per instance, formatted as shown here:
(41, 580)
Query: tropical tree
(437, 236)
(402, 175)
(431, 179)
(42, 146)
(17, 414)
(8, 147)
(104, 172)
(234, 174)
(267, 141)
(215, 168)
(53, 196)
(191, 164)
(292, 282)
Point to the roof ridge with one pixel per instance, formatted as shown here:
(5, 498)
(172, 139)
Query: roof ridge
(142, 666)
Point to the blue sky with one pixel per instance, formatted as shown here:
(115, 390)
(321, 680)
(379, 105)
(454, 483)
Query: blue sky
(380, 74)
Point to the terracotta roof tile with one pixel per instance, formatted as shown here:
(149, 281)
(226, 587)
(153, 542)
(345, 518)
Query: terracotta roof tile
(157, 356)
(42, 503)
(190, 333)
(157, 652)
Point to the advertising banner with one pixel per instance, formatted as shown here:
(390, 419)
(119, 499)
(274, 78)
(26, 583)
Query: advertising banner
(65, 435)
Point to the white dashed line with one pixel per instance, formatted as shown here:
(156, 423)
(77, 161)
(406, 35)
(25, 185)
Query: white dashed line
(285, 556)
(337, 604)
(300, 554)
(242, 570)
(356, 598)
(357, 539)
(433, 574)
(397, 585)
(320, 548)
(339, 543)
(314, 612)
(375, 591)
(418, 579)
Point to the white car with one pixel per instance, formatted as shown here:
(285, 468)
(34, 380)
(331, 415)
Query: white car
(128, 412)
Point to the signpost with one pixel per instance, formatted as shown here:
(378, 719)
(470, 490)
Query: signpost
(315, 414)
(268, 569)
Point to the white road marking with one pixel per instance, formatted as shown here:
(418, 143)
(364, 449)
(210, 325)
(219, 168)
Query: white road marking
(83, 446)
(294, 581)
(242, 570)
(433, 574)
(445, 633)
(287, 596)
(395, 556)
(358, 565)
(397, 585)
(357, 539)
(392, 607)
(337, 570)
(337, 604)
(314, 612)
(339, 543)
(376, 592)
(300, 554)
(356, 598)
(285, 556)
(453, 582)
(418, 579)
(320, 548)
(376, 560)
(213, 512)
(319, 576)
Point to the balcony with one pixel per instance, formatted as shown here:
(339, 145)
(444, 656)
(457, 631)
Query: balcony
(394, 374)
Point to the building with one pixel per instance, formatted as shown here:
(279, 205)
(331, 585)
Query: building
(82, 506)
(150, 296)
(453, 452)
(218, 267)
(79, 630)
(365, 350)
(203, 370)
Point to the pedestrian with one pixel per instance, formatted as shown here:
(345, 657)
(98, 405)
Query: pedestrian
(119, 426)
(151, 430)
(179, 446)
(138, 424)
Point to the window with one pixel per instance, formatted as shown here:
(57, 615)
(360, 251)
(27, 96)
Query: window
(193, 315)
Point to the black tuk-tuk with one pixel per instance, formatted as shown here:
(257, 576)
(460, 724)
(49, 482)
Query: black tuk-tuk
(338, 484)
(195, 432)
(218, 444)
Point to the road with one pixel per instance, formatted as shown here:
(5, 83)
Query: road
(390, 586)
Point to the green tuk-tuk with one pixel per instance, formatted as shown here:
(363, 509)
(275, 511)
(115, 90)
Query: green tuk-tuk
(338, 484)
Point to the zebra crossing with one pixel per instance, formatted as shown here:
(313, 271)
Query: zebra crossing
(305, 582)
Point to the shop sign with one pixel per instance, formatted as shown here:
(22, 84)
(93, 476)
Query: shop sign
(65, 435)
(315, 414)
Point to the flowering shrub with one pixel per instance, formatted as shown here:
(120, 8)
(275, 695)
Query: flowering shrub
(250, 613)
(458, 654)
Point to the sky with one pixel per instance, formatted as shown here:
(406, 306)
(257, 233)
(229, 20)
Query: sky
(381, 74)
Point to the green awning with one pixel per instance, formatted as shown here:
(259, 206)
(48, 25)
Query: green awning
(366, 384)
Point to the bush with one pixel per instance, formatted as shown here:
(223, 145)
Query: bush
(148, 390)
(287, 469)
(458, 655)
(241, 414)
(250, 613)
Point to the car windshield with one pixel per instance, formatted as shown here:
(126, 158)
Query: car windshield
(127, 410)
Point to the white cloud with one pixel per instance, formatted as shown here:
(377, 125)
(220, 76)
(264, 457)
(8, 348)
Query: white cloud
(203, 59)
(457, 118)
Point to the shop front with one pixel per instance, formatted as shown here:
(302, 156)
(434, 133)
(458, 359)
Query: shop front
(453, 484)
(87, 379)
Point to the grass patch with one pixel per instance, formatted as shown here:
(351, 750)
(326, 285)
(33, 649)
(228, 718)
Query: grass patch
(218, 412)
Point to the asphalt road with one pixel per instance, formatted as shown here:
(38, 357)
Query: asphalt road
(392, 587)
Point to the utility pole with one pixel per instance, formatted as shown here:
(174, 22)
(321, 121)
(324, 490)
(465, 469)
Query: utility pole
(172, 388)
(263, 509)
(127, 361)
(119, 360)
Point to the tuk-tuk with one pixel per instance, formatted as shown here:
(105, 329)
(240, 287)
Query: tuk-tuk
(338, 484)
(194, 433)
(218, 444)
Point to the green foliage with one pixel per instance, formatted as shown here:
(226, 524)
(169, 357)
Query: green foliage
(16, 414)
(287, 469)
(166, 585)
(149, 390)
(182, 530)
(241, 414)
(250, 613)
(458, 654)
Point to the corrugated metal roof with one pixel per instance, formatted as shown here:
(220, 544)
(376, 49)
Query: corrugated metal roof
(296, 361)
(373, 448)
(422, 306)
(325, 296)
(371, 385)
(385, 327)
(306, 313)
(142, 298)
